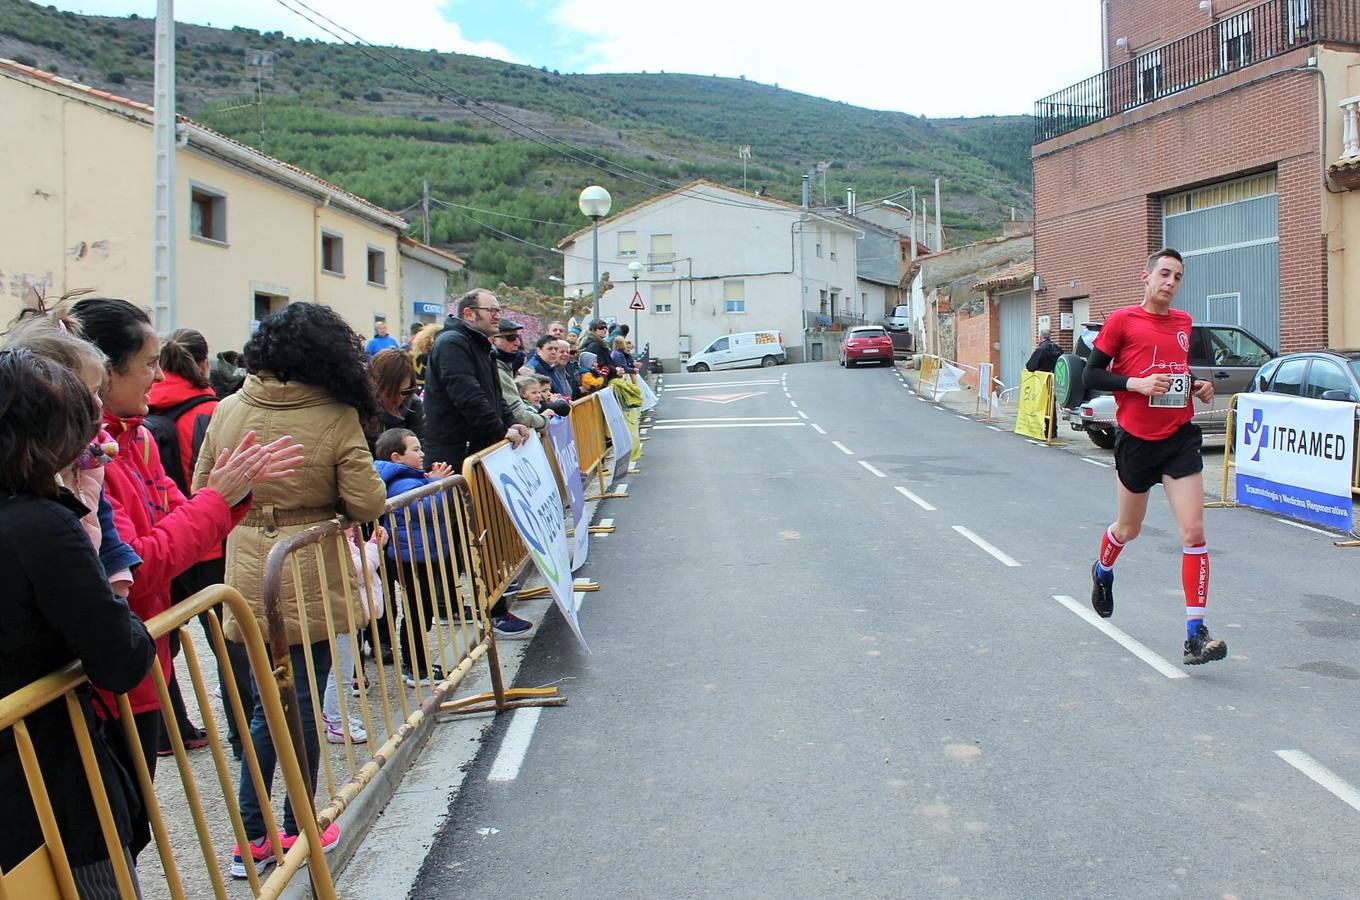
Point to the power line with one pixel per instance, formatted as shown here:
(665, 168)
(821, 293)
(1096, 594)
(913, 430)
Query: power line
(492, 212)
(401, 68)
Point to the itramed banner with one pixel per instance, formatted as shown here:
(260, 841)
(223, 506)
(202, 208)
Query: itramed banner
(618, 432)
(1295, 457)
(524, 483)
(563, 442)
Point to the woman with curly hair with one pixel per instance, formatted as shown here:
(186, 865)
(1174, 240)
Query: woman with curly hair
(394, 385)
(420, 350)
(308, 376)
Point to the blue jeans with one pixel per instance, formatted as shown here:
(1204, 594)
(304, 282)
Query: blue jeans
(251, 816)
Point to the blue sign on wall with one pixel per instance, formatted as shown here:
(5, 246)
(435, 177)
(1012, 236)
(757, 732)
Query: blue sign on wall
(429, 309)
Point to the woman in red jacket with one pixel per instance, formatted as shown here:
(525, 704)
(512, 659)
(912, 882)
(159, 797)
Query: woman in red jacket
(169, 532)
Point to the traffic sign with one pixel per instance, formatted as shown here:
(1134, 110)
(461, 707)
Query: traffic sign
(636, 304)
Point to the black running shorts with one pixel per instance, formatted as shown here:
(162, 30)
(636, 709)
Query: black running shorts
(1141, 464)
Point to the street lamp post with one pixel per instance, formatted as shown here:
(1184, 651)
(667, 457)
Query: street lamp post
(594, 203)
(635, 268)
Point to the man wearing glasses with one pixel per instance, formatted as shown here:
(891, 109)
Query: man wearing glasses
(464, 409)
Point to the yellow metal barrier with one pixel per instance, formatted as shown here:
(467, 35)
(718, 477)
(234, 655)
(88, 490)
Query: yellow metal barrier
(47, 872)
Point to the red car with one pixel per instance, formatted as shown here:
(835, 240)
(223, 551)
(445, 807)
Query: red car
(868, 343)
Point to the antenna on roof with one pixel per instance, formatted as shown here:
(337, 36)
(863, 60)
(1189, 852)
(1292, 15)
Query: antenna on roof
(744, 151)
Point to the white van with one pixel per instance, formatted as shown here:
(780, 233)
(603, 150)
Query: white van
(736, 351)
(899, 319)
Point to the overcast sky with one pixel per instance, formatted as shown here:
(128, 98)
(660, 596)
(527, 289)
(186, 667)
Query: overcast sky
(938, 58)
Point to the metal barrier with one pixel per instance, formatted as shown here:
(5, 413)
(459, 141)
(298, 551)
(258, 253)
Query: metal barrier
(930, 372)
(47, 871)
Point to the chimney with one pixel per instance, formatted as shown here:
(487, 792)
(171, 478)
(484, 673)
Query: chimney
(850, 201)
(807, 181)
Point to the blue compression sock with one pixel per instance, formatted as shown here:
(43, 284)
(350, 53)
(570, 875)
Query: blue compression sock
(1191, 626)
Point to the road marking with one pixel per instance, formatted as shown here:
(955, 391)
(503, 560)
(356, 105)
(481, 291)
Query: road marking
(993, 427)
(1036, 443)
(914, 499)
(1323, 776)
(817, 428)
(723, 399)
(922, 399)
(731, 425)
(957, 416)
(709, 385)
(1095, 462)
(872, 469)
(1137, 649)
(730, 419)
(515, 744)
(793, 403)
(844, 449)
(803, 414)
(991, 549)
(1305, 527)
(621, 488)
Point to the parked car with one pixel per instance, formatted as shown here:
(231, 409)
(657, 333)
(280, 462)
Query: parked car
(899, 319)
(867, 343)
(740, 350)
(1315, 374)
(1229, 355)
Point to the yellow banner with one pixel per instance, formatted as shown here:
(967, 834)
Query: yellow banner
(930, 370)
(1034, 418)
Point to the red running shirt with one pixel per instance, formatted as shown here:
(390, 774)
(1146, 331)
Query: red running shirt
(1141, 343)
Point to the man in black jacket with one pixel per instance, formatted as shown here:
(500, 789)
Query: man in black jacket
(1045, 356)
(595, 340)
(464, 410)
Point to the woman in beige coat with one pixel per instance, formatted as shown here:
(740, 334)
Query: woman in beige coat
(309, 378)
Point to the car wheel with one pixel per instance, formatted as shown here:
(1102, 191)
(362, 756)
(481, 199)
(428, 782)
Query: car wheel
(1101, 438)
(1068, 387)
(701, 367)
(768, 362)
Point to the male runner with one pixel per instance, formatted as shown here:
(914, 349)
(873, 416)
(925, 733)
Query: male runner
(1142, 355)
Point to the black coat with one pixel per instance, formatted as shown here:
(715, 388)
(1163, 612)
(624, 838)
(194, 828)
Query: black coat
(1044, 357)
(592, 344)
(464, 410)
(57, 606)
(412, 417)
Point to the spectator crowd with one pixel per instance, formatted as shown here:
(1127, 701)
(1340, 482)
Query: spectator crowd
(142, 468)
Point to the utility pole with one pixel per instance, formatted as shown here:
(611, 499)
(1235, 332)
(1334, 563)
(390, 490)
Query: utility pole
(939, 222)
(744, 151)
(425, 208)
(163, 148)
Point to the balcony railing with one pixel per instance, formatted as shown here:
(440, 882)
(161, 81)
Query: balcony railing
(1231, 43)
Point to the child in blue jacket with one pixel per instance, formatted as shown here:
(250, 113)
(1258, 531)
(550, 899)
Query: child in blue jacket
(414, 548)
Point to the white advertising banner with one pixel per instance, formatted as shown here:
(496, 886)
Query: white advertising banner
(524, 483)
(947, 380)
(618, 431)
(649, 398)
(1296, 457)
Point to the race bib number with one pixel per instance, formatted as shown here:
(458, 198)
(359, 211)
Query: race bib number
(1176, 396)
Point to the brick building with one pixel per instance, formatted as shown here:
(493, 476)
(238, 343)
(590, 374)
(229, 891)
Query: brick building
(1219, 128)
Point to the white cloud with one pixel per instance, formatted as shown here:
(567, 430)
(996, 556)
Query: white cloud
(936, 59)
(417, 24)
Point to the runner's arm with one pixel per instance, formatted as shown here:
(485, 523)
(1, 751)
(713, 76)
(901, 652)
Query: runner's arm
(1098, 375)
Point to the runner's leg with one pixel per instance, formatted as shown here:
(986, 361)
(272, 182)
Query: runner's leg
(1186, 497)
(1128, 522)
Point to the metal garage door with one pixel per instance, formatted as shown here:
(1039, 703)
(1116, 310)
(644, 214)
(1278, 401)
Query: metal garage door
(1017, 335)
(1229, 235)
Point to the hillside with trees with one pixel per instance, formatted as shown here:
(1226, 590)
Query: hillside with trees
(506, 148)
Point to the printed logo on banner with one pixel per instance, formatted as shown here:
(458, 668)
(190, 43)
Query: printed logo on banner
(523, 481)
(563, 442)
(619, 435)
(1296, 457)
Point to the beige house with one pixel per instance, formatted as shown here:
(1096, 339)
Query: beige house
(252, 233)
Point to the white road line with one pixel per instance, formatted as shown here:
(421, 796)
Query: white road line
(803, 414)
(993, 427)
(991, 549)
(922, 399)
(715, 384)
(844, 449)
(1304, 527)
(793, 403)
(728, 419)
(1323, 776)
(621, 488)
(1137, 649)
(1035, 443)
(914, 499)
(957, 416)
(817, 428)
(872, 469)
(731, 425)
(1094, 462)
(515, 744)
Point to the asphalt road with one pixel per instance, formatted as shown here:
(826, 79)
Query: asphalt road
(829, 662)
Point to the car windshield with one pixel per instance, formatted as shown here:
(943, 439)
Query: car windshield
(868, 333)
(1355, 368)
